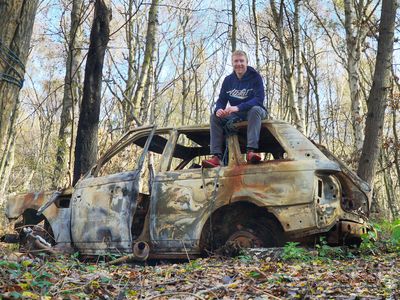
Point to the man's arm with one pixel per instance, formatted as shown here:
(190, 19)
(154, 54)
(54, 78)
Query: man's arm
(258, 99)
(222, 99)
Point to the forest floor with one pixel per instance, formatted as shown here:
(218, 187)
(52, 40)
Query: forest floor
(247, 276)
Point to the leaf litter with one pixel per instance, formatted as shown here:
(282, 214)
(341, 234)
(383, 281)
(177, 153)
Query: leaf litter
(23, 276)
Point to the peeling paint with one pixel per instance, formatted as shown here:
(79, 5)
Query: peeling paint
(302, 190)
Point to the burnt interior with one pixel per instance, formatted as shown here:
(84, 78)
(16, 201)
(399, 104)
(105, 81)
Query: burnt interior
(353, 199)
(140, 215)
(63, 201)
(267, 143)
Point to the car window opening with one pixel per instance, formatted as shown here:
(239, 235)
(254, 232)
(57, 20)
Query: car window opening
(269, 147)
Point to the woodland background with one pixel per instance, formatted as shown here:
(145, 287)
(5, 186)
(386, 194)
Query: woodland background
(76, 74)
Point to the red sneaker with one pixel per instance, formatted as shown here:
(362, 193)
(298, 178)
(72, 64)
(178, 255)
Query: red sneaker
(212, 162)
(253, 157)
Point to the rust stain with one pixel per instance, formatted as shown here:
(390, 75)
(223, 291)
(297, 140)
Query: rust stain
(300, 191)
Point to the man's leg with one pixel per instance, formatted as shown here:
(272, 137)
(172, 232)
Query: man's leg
(216, 142)
(254, 116)
(216, 135)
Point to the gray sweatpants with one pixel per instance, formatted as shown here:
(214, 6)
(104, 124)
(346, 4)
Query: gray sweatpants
(254, 117)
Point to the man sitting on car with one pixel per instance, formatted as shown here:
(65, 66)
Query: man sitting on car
(244, 90)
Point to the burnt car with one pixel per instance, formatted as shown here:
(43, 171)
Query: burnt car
(178, 209)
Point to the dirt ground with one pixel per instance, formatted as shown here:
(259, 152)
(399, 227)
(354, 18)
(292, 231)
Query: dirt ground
(244, 277)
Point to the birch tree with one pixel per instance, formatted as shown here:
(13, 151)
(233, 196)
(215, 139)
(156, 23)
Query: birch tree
(256, 34)
(288, 71)
(299, 64)
(148, 54)
(355, 24)
(234, 25)
(132, 32)
(71, 95)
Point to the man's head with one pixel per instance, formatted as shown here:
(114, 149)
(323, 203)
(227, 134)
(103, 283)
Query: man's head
(239, 62)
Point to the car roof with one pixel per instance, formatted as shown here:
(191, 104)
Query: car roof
(201, 127)
(200, 134)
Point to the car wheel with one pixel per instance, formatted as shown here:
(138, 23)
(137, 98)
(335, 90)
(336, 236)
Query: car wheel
(254, 234)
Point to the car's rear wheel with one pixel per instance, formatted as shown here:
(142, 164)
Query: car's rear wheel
(245, 239)
(254, 233)
(246, 227)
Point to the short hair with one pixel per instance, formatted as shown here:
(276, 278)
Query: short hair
(240, 53)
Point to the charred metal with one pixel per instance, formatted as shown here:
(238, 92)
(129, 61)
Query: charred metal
(298, 190)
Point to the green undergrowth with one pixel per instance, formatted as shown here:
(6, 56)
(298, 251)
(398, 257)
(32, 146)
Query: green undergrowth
(383, 237)
(322, 251)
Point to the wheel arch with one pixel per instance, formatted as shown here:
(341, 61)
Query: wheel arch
(29, 218)
(220, 222)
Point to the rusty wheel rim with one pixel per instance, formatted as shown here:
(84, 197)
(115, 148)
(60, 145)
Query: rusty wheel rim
(245, 239)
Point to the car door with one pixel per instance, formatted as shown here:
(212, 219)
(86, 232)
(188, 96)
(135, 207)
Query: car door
(103, 208)
(181, 202)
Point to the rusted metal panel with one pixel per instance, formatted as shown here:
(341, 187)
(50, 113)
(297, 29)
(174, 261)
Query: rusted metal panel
(356, 191)
(178, 211)
(352, 228)
(327, 201)
(294, 142)
(182, 201)
(296, 219)
(58, 217)
(102, 213)
(272, 184)
(306, 190)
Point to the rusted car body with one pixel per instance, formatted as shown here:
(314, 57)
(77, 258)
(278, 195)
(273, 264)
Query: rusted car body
(298, 190)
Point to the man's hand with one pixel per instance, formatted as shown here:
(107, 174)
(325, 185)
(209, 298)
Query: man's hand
(220, 113)
(231, 109)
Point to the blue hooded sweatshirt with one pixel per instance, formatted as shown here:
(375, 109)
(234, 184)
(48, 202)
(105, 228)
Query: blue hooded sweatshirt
(243, 93)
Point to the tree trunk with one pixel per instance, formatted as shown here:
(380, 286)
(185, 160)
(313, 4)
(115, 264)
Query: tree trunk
(314, 84)
(378, 94)
(146, 103)
(132, 44)
(286, 66)
(395, 105)
(16, 24)
(71, 95)
(257, 35)
(384, 162)
(185, 85)
(196, 96)
(148, 53)
(7, 162)
(234, 26)
(9, 142)
(86, 140)
(354, 40)
(299, 64)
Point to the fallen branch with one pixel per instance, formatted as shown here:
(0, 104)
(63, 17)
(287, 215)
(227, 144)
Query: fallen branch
(265, 293)
(120, 260)
(176, 294)
(219, 287)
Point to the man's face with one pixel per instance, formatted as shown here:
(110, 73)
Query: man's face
(239, 63)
